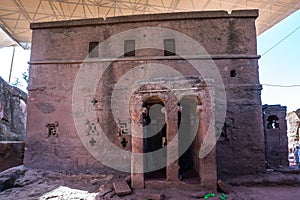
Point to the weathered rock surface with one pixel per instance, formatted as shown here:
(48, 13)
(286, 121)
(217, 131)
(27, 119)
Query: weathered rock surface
(12, 112)
(9, 177)
(22, 183)
(268, 179)
(11, 154)
(29, 184)
(12, 125)
(223, 187)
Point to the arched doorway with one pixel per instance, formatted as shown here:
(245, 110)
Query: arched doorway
(188, 124)
(159, 104)
(154, 139)
(273, 122)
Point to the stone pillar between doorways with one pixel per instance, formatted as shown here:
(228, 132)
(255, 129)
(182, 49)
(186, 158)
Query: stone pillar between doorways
(137, 159)
(172, 142)
(207, 165)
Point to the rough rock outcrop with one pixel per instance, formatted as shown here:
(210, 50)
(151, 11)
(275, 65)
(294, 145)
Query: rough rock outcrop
(12, 125)
(12, 112)
(11, 154)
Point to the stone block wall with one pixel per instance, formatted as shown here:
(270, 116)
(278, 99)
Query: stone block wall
(275, 130)
(59, 49)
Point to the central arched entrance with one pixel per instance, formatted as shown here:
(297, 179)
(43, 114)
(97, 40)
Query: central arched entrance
(188, 123)
(166, 149)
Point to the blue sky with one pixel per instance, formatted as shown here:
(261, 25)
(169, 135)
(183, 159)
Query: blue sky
(279, 66)
(20, 65)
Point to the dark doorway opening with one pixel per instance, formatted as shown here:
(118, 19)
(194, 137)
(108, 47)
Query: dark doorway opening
(273, 122)
(154, 133)
(188, 122)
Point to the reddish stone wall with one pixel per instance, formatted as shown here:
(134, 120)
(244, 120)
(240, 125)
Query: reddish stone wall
(50, 96)
(11, 154)
(59, 49)
(275, 130)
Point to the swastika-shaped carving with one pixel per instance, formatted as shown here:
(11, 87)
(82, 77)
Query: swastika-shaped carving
(52, 129)
(123, 127)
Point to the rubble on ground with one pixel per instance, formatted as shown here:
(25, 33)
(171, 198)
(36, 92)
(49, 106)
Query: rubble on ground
(31, 184)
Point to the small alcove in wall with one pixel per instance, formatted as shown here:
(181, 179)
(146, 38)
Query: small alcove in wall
(273, 122)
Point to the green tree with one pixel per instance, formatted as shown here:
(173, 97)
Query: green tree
(25, 75)
(17, 83)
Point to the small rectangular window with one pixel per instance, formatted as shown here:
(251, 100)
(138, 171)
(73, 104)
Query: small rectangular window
(129, 48)
(169, 47)
(93, 49)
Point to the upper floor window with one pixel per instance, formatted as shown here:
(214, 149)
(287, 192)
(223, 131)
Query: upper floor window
(93, 49)
(129, 48)
(169, 47)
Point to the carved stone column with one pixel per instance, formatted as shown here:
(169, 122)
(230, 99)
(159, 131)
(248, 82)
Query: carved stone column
(137, 159)
(172, 141)
(207, 153)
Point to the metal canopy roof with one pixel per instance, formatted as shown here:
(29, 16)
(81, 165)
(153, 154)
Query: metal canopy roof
(16, 15)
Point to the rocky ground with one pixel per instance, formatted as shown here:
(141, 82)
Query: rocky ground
(29, 184)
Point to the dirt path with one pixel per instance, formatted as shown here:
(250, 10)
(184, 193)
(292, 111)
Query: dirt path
(267, 193)
(28, 184)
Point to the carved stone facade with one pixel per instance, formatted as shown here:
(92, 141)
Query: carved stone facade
(195, 109)
(75, 73)
(276, 140)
